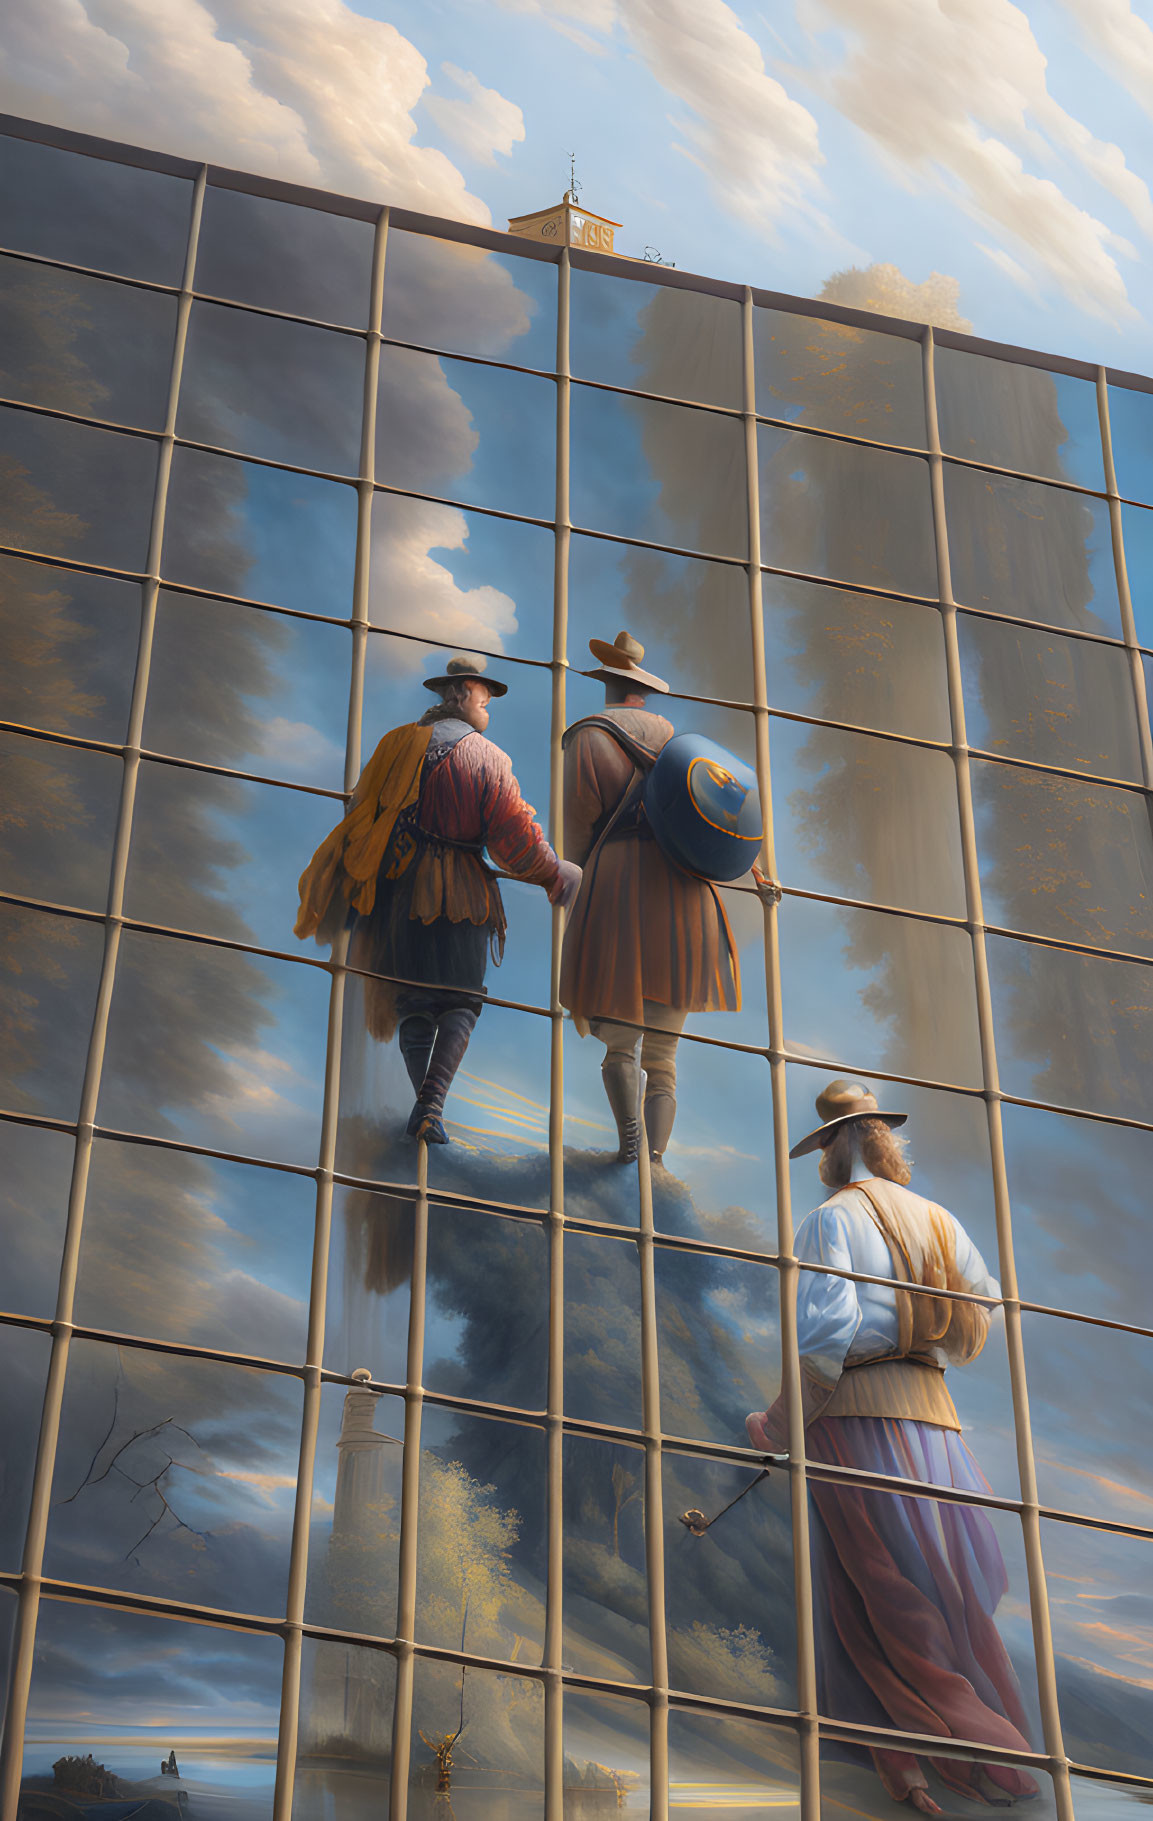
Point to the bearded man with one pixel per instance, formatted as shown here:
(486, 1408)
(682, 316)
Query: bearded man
(406, 870)
(905, 1589)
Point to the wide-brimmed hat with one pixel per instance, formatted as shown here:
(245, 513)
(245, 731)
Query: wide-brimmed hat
(621, 661)
(839, 1103)
(462, 669)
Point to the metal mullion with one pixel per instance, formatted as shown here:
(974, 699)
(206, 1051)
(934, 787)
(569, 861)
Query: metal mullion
(654, 1505)
(288, 1738)
(1030, 1520)
(80, 417)
(1124, 596)
(69, 265)
(786, 1258)
(410, 1502)
(32, 1565)
(552, 1657)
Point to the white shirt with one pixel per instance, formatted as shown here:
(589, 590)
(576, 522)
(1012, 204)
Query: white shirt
(838, 1319)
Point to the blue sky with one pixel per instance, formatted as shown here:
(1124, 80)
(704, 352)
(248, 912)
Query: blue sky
(996, 156)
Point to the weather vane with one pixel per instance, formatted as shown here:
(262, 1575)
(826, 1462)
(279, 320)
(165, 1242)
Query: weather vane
(573, 184)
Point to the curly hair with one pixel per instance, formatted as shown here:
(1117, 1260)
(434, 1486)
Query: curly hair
(453, 698)
(883, 1152)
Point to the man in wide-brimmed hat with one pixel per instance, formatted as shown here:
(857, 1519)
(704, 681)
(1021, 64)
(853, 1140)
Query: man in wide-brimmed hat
(406, 867)
(905, 1632)
(647, 942)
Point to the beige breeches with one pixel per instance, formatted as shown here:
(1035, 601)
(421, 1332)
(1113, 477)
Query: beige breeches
(657, 1043)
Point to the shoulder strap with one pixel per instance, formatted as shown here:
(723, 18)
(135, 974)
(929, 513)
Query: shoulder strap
(902, 1266)
(641, 755)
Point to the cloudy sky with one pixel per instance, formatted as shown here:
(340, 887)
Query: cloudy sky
(996, 155)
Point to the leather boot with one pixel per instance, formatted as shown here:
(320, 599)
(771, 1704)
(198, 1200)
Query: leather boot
(660, 1112)
(621, 1075)
(453, 1030)
(416, 1036)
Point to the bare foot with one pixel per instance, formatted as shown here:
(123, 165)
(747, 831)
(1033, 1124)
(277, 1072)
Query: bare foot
(920, 1798)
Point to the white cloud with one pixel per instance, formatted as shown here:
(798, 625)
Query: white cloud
(421, 594)
(482, 123)
(759, 148)
(1120, 40)
(959, 95)
(306, 90)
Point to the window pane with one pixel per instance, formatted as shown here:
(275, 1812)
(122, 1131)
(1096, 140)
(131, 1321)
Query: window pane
(193, 1249)
(463, 578)
(496, 1112)
(355, 1531)
(445, 294)
(656, 338)
(235, 686)
(948, 1146)
(24, 1358)
(222, 857)
(829, 376)
(487, 1313)
(299, 260)
(1059, 701)
(855, 657)
(850, 1782)
(1019, 417)
(866, 818)
(1102, 1634)
(729, 1593)
(1071, 1180)
(665, 601)
(73, 491)
(1065, 857)
(259, 532)
(1137, 526)
(928, 1650)
(605, 1588)
(658, 472)
(1036, 552)
(1131, 431)
(277, 389)
(79, 344)
(732, 1767)
(67, 649)
(606, 1741)
(467, 432)
(1087, 1387)
(53, 968)
(718, 1326)
(175, 1477)
(35, 1177)
(94, 213)
(217, 1048)
(833, 508)
(718, 1177)
(602, 1330)
(370, 1268)
(215, 1695)
(57, 837)
(345, 1752)
(861, 987)
(481, 1546)
(1107, 1801)
(504, 1715)
(1072, 1028)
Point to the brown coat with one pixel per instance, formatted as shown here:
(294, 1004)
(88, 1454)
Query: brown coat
(641, 927)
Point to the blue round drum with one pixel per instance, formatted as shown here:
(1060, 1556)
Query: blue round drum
(704, 808)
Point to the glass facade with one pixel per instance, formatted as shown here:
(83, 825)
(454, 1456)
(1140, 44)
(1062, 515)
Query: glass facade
(351, 1471)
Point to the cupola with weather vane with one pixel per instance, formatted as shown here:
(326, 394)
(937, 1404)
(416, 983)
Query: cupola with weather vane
(567, 223)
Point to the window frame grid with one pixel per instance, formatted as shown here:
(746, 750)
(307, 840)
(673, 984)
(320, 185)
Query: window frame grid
(32, 1565)
(806, 1721)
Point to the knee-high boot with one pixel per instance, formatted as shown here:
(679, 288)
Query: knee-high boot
(621, 1074)
(453, 1030)
(660, 1113)
(416, 1036)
